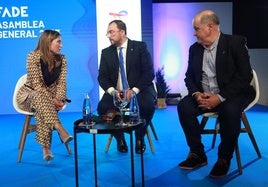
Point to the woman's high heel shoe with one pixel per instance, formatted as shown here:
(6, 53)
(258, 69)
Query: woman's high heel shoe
(64, 135)
(47, 155)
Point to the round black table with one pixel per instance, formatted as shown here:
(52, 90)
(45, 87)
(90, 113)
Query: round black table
(105, 127)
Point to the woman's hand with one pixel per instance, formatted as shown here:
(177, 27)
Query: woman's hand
(58, 104)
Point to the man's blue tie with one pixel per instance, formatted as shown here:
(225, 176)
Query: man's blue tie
(122, 69)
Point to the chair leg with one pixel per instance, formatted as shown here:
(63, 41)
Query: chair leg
(246, 129)
(250, 134)
(153, 130)
(108, 143)
(150, 140)
(238, 159)
(203, 122)
(23, 136)
(217, 128)
(215, 131)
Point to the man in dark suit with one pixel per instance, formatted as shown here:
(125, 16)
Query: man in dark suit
(139, 72)
(218, 79)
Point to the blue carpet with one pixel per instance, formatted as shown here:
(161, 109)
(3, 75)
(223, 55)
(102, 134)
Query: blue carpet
(114, 168)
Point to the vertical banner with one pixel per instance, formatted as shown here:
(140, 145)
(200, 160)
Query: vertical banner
(129, 11)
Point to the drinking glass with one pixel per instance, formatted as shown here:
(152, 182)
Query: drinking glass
(120, 102)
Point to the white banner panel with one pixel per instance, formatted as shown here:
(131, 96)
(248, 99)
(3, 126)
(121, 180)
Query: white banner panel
(128, 11)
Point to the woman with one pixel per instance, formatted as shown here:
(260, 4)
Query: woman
(44, 92)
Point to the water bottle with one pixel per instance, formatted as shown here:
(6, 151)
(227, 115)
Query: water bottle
(87, 110)
(134, 110)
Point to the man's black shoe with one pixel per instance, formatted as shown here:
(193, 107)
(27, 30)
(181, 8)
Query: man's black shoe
(140, 147)
(122, 146)
(220, 169)
(193, 161)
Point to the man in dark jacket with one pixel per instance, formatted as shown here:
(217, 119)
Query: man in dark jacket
(218, 79)
(139, 73)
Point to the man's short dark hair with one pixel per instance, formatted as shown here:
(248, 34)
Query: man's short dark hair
(120, 25)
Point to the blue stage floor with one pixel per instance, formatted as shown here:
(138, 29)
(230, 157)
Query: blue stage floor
(114, 168)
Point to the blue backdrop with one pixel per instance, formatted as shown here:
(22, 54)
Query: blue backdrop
(166, 28)
(20, 26)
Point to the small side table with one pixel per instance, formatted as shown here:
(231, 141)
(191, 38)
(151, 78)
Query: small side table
(104, 127)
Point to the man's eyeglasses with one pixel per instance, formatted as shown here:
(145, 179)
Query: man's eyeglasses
(111, 32)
